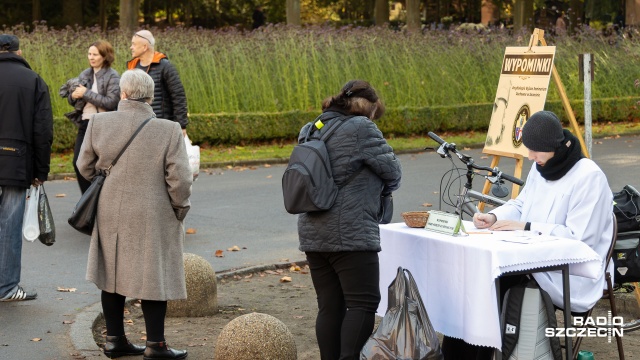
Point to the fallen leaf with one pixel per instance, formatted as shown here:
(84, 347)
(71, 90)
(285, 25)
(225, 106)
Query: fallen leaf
(61, 289)
(294, 268)
(269, 176)
(67, 322)
(484, 157)
(191, 231)
(219, 253)
(70, 178)
(427, 205)
(267, 165)
(298, 316)
(36, 339)
(234, 248)
(128, 321)
(285, 279)
(271, 272)
(61, 195)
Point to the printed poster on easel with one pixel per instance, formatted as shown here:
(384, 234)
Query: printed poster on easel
(522, 91)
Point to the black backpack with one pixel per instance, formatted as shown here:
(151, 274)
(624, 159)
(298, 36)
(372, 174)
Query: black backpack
(307, 182)
(525, 310)
(627, 209)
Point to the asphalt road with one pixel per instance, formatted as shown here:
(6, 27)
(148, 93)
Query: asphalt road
(230, 207)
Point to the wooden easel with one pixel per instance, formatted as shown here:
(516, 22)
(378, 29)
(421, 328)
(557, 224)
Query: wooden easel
(536, 38)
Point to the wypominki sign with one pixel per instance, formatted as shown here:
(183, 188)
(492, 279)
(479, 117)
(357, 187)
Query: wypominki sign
(522, 91)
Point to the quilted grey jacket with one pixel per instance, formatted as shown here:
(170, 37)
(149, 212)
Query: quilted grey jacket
(351, 224)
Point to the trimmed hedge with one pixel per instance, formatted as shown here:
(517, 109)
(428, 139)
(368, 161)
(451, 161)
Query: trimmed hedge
(254, 127)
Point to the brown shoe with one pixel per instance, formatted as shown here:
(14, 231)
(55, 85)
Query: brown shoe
(118, 346)
(161, 351)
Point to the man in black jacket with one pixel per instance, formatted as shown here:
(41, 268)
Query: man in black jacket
(169, 99)
(26, 134)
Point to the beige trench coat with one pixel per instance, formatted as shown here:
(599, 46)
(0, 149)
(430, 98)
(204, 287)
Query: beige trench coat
(137, 243)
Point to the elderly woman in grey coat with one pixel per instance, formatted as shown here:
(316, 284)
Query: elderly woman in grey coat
(137, 242)
(101, 93)
(342, 243)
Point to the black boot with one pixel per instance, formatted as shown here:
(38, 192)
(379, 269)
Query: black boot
(160, 351)
(118, 346)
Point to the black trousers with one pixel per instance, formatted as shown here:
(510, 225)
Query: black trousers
(82, 182)
(153, 311)
(347, 288)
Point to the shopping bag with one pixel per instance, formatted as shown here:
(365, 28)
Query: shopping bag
(30, 226)
(45, 219)
(194, 157)
(84, 214)
(405, 331)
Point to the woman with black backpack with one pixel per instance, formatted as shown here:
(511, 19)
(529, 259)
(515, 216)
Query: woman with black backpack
(342, 243)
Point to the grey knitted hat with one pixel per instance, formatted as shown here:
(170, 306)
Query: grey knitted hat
(542, 132)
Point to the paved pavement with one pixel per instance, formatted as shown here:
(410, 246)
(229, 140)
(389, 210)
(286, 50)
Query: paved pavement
(241, 207)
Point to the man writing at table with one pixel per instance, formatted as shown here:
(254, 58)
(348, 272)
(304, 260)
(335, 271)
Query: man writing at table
(566, 195)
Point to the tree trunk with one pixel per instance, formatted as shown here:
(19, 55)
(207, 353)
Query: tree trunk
(36, 10)
(522, 15)
(103, 15)
(147, 14)
(293, 12)
(72, 10)
(576, 15)
(413, 15)
(381, 12)
(129, 15)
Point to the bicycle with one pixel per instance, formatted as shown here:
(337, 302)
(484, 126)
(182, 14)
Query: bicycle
(466, 196)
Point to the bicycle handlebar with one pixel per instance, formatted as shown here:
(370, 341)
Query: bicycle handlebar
(445, 147)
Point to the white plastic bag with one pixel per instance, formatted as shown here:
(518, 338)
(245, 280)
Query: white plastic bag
(194, 157)
(30, 224)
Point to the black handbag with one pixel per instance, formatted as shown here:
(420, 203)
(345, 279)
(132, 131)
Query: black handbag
(83, 217)
(385, 213)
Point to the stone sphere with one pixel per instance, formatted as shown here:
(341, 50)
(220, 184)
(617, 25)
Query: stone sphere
(202, 290)
(255, 336)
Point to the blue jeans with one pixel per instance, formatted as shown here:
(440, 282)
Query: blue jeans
(12, 202)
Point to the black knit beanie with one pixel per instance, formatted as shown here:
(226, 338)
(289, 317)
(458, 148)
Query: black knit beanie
(542, 132)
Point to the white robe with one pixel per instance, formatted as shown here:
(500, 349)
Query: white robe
(577, 206)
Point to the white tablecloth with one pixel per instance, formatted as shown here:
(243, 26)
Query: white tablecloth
(456, 275)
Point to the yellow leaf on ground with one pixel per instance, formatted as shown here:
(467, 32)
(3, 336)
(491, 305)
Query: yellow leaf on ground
(61, 289)
(36, 339)
(427, 205)
(191, 231)
(219, 253)
(285, 279)
(61, 195)
(234, 248)
(294, 268)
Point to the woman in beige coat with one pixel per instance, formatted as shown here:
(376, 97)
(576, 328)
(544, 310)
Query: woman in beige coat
(137, 242)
